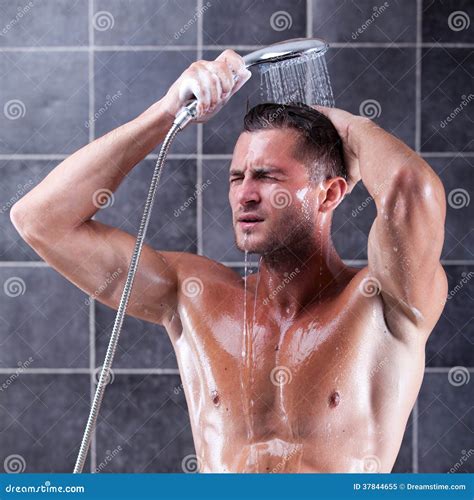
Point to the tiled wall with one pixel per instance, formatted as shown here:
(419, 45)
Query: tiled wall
(72, 70)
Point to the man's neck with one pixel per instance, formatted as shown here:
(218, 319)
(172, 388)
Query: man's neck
(290, 280)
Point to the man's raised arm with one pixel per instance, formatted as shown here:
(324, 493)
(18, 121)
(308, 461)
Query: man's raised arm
(55, 218)
(406, 238)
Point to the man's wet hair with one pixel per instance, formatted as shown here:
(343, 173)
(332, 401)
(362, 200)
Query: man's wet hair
(319, 145)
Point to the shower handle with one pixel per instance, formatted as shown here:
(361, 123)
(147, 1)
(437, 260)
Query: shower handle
(188, 112)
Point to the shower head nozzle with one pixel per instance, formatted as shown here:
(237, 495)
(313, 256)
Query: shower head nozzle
(288, 49)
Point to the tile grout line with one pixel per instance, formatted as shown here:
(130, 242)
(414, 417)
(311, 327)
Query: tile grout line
(208, 156)
(418, 54)
(157, 371)
(89, 371)
(177, 48)
(309, 18)
(199, 145)
(92, 354)
(350, 262)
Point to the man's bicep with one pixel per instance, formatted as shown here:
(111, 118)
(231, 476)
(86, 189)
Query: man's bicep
(96, 257)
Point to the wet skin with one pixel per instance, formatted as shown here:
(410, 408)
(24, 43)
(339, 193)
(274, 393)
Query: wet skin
(326, 372)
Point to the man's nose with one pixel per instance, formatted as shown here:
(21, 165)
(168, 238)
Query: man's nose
(248, 192)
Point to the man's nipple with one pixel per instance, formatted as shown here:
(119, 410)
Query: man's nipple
(334, 399)
(216, 399)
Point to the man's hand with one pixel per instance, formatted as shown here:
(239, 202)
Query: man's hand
(213, 83)
(342, 121)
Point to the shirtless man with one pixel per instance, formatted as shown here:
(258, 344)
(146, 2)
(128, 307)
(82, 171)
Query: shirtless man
(326, 372)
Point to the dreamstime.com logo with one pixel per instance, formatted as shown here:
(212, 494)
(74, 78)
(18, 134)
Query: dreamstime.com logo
(109, 279)
(458, 198)
(281, 20)
(281, 198)
(459, 20)
(465, 100)
(20, 14)
(22, 366)
(287, 279)
(109, 376)
(103, 198)
(109, 456)
(458, 376)
(14, 109)
(465, 456)
(192, 287)
(370, 287)
(22, 189)
(371, 464)
(370, 108)
(14, 287)
(190, 464)
(377, 12)
(103, 21)
(109, 100)
(192, 198)
(281, 375)
(14, 464)
(465, 278)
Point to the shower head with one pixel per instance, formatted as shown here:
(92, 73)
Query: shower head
(289, 49)
(275, 53)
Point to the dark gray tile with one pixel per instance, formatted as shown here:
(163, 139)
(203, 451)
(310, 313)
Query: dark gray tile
(253, 23)
(404, 462)
(41, 422)
(172, 226)
(147, 417)
(141, 344)
(351, 224)
(365, 21)
(378, 83)
(449, 21)
(456, 175)
(222, 131)
(18, 177)
(146, 22)
(44, 97)
(217, 229)
(45, 23)
(44, 317)
(446, 423)
(127, 83)
(451, 342)
(447, 110)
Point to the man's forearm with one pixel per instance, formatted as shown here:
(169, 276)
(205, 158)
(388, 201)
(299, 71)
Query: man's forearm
(383, 158)
(65, 198)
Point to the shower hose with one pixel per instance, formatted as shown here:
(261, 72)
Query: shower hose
(181, 120)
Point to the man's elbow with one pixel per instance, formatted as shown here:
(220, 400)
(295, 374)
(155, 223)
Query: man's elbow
(23, 221)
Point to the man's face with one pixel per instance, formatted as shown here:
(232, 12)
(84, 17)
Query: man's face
(273, 204)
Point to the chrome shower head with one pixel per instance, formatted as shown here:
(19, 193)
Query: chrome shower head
(288, 49)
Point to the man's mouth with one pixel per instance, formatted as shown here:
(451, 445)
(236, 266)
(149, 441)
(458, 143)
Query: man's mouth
(249, 221)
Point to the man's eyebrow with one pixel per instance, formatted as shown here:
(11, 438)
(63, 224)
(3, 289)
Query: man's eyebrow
(259, 170)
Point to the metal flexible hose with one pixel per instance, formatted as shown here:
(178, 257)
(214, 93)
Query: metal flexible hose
(105, 372)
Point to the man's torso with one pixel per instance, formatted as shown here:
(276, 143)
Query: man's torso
(328, 391)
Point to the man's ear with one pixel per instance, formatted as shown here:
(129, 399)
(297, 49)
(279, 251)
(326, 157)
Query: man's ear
(332, 193)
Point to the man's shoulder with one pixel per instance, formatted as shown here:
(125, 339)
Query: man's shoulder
(190, 266)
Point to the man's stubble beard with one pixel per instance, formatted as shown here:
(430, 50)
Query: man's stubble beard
(292, 234)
